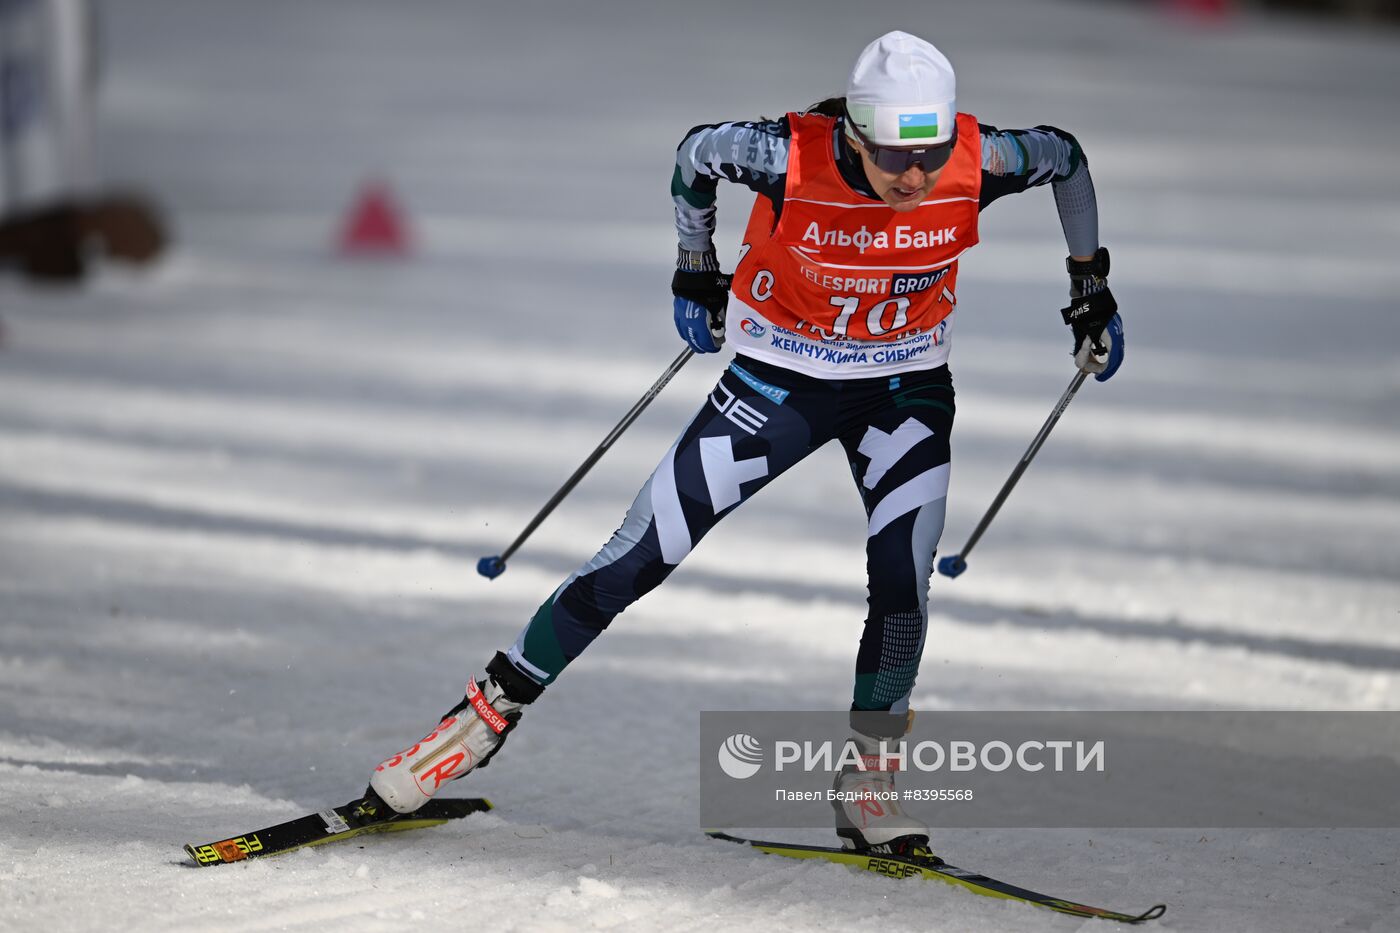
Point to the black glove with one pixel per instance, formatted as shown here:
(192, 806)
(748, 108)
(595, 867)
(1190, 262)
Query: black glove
(1091, 311)
(701, 297)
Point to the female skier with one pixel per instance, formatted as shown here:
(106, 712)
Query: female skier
(846, 298)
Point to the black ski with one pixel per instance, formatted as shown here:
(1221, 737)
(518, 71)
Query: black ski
(927, 865)
(369, 814)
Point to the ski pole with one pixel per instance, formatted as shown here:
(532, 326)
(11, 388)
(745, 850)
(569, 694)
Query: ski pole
(957, 563)
(492, 567)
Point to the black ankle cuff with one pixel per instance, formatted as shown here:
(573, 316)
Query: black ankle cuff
(519, 687)
(880, 724)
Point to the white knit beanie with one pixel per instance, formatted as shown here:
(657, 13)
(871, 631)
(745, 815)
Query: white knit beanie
(902, 92)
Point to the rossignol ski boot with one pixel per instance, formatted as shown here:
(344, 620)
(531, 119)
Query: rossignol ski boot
(465, 739)
(868, 814)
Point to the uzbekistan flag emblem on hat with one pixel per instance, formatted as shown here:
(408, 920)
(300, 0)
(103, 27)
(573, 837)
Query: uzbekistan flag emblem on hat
(918, 125)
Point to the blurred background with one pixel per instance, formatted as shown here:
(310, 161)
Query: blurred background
(309, 304)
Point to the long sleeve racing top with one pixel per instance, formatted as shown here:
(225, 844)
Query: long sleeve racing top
(755, 155)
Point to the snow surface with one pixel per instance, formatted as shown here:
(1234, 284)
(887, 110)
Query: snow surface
(242, 494)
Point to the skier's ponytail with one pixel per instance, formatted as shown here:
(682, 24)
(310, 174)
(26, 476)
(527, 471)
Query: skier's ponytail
(831, 107)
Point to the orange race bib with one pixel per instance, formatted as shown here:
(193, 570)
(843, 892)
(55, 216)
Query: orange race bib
(841, 285)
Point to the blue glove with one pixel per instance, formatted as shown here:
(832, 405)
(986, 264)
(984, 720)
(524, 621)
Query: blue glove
(1092, 316)
(698, 326)
(1112, 335)
(701, 298)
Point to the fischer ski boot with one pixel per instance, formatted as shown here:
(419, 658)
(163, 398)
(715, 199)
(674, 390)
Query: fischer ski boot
(466, 738)
(868, 814)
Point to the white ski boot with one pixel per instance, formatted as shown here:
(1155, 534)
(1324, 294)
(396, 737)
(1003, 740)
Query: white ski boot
(465, 739)
(868, 815)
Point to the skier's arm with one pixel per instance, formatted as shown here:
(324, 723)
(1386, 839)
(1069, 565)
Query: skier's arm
(754, 155)
(1014, 160)
(751, 154)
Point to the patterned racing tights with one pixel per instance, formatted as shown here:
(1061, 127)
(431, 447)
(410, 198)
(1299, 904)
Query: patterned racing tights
(759, 420)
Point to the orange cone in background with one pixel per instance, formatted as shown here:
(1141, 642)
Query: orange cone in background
(374, 226)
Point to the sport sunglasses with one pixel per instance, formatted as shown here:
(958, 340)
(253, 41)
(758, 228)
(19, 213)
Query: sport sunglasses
(898, 159)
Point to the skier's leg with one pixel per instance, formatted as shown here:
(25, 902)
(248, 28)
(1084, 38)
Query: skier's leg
(754, 425)
(757, 422)
(899, 456)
